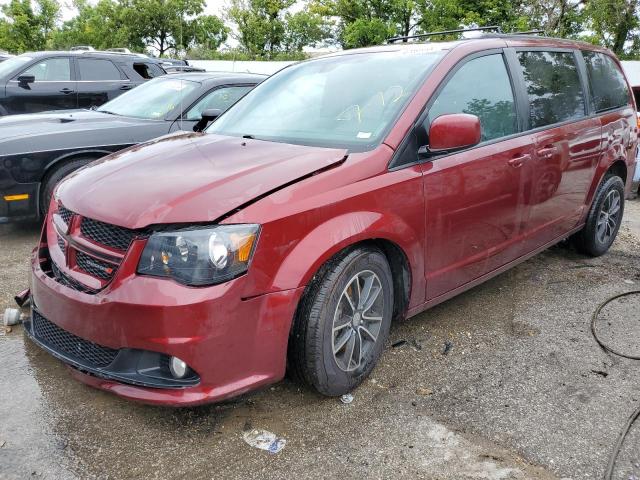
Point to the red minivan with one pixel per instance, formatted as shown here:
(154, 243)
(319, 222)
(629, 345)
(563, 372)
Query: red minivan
(341, 194)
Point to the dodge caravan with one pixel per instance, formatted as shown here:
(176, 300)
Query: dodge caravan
(342, 193)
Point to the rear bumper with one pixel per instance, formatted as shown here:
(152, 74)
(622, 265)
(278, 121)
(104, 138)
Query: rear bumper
(233, 345)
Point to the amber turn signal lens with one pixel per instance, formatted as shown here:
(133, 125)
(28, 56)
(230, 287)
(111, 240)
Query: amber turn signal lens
(243, 245)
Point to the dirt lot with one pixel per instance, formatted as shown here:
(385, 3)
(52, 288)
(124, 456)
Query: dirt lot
(523, 392)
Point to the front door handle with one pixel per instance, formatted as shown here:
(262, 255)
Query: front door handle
(517, 162)
(125, 87)
(66, 91)
(547, 152)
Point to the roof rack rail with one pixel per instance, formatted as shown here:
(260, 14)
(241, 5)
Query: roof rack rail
(445, 32)
(528, 32)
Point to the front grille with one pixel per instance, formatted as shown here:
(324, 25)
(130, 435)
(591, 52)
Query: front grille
(67, 281)
(65, 214)
(94, 267)
(61, 244)
(105, 234)
(76, 348)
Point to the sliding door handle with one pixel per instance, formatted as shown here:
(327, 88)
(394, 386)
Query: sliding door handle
(517, 162)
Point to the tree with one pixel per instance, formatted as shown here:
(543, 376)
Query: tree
(164, 24)
(210, 32)
(267, 28)
(26, 28)
(615, 24)
(101, 26)
(369, 22)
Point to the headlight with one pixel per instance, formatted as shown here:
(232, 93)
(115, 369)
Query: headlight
(198, 257)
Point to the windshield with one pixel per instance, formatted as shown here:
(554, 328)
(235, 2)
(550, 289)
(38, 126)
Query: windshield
(152, 100)
(344, 101)
(9, 66)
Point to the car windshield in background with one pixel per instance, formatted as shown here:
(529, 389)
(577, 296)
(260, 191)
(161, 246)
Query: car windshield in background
(152, 100)
(9, 65)
(344, 101)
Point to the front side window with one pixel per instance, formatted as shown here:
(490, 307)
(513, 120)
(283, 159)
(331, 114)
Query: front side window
(608, 85)
(152, 100)
(348, 101)
(480, 87)
(50, 70)
(221, 98)
(553, 86)
(95, 69)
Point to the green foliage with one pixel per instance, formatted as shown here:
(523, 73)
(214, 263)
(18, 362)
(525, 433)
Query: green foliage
(101, 26)
(266, 28)
(279, 29)
(26, 28)
(615, 24)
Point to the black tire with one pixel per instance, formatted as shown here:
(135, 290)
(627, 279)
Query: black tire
(589, 240)
(55, 176)
(311, 345)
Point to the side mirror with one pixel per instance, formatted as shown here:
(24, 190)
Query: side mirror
(25, 80)
(451, 132)
(207, 116)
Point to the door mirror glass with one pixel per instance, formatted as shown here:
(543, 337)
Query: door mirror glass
(208, 115)
(453, 132)
(25, 80)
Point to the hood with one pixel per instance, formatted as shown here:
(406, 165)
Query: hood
(187, 178)
(72, 129)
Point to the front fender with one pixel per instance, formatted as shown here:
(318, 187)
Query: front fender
(330, 237)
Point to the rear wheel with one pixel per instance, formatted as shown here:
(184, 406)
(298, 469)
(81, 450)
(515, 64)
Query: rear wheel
(343, 322)
(54, 177)
(604, 219)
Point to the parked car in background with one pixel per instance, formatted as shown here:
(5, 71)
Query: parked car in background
(35, 82)
(341, 193)
(632, 71)
(4, 56)
(182, 68)
(38, 150)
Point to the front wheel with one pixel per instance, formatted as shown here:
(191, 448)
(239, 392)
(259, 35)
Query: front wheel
(343, 322)
(604, 219)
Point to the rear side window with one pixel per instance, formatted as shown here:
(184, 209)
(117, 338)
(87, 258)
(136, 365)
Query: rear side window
(480, 87)
(51, 70)
(553, 86)
(95, 69)
(147, 70)
(607, 82)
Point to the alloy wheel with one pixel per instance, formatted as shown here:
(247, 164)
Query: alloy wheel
(357, 320)
(608, 217)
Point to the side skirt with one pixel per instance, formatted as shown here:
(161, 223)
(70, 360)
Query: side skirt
(473, 283)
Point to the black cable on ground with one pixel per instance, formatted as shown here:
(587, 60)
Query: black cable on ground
(634, 416)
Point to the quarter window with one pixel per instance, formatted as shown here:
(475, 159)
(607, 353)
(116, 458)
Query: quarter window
(95, 69)
(480, 87)
(607, 82)
(221, 98)
(50, 70)
(553, 86)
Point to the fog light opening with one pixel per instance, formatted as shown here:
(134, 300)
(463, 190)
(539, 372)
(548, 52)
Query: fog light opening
(178, 368)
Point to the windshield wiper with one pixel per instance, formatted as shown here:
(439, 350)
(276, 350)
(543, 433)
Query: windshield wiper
(107, 112)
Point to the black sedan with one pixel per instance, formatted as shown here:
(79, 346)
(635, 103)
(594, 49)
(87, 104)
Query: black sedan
(38, 150)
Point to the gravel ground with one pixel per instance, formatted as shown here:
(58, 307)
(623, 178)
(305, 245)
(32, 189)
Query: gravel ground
(522, 392)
